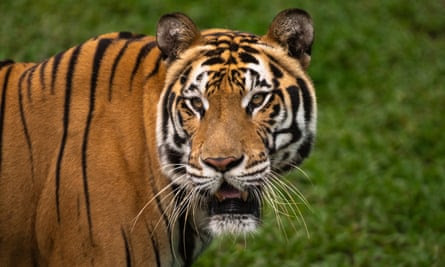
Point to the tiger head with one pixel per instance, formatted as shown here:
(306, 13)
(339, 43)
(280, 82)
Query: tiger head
(236, 110)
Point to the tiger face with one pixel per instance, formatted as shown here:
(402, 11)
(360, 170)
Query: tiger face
(236, 110)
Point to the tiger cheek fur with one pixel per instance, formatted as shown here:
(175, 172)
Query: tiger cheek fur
(137, 150)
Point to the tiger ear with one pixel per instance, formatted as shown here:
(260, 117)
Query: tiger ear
(175, 33)
(292, 29)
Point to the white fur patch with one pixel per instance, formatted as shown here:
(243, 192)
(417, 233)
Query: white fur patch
(234, 224)
(282, 140)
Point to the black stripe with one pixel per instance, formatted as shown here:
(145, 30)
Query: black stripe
(250, 49)
(294, 130)
(78, 206)
(56, 63)
(2, 112)
(283, 66)
(285, 156)
(186, 244)
(127, 248)
(29, 80)
(100, 51)
(179, 141)
(275, 111)
(170, 102)
(178, 74)
(154, 244)
(35, 261)
(275, 70)
(270, 122)
(155, 191)
(236, 78)
(265, 139)
(130, 35)
(165, 112)
(125, 35)
(113, 69)
(5, 63)
(232, 60)
(218, 42)
(249, 41)
(156, 250)
(234, 47)
(307, 100)
(23, 119)
(155, 70)
(66, 118)
(142, 53)
(248, 58)
(305, 147)
(215, 52)
(295, 100)
(174, 156)
(255, 172)
(42, 74)
(186, 241)
(255, 162)
(213, 61)
(185, 75)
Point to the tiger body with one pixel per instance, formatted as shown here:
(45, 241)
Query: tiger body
(47, 168)
(106, 145)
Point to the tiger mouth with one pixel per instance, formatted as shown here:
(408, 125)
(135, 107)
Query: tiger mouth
(233, 211)
(229, 200)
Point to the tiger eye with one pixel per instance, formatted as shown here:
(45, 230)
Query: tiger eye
(197, 103)
(257, 99)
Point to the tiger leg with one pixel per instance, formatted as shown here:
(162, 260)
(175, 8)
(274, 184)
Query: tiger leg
(89, 221)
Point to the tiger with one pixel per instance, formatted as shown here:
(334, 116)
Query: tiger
(135, 150)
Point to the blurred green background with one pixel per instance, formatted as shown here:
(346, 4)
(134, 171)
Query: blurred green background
(376, 182)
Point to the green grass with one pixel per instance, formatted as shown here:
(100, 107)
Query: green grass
(377, 175)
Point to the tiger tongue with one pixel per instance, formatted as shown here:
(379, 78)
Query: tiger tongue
(227, 192)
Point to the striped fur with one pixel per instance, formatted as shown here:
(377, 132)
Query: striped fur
(101, 145)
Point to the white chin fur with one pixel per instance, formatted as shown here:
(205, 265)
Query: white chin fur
(234, 224)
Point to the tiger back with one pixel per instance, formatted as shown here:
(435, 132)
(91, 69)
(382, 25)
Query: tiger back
(131, 149)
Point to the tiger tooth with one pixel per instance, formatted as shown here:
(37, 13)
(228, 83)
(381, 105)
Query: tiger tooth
(219, 196)
(244, 195)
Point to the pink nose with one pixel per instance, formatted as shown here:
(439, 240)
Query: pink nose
(222, 164)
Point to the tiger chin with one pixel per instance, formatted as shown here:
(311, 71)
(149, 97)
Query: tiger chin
(137, 150)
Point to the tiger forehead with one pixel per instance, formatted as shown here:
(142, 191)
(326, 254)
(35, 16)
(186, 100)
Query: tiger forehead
(228, 38)
(229, 48)
(227, 55)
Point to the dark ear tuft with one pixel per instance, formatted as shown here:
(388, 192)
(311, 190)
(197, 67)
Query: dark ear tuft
(293, 30)
(175, 33)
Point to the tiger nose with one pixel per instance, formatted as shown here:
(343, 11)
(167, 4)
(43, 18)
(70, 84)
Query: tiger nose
(223, 164)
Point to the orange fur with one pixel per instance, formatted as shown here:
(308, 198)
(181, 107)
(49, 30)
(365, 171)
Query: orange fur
(120, 171)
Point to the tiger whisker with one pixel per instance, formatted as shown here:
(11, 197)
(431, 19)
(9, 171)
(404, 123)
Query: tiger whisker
(286, 197)
(300, 170)
(168, 186)
(175, 166)
(284, 209)
(288, 186)
(270, 195)
(283, 189)
(192, 198)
